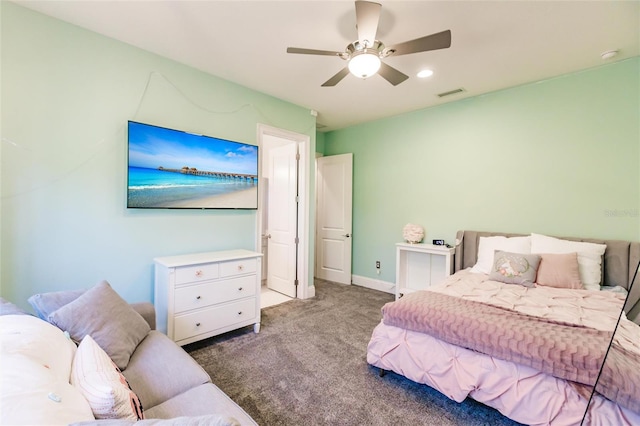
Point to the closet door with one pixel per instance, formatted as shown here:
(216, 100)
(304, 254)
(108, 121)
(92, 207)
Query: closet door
(335, 191)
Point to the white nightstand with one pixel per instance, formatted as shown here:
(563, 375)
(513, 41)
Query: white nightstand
(418, 266)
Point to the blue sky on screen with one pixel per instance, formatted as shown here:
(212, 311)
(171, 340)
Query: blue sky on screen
(152, 147)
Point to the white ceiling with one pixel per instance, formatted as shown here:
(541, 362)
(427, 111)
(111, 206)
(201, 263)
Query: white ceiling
(495, 44)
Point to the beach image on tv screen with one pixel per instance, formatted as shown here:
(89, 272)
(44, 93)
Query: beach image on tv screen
(174, 169)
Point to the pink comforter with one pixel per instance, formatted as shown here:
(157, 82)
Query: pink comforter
(568, 351)
(519, 392)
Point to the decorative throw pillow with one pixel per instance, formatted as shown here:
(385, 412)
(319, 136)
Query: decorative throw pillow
(108, 318)
(589, 256)
(102, 384)
(488, 245)
(35, 365)
(559, 270)
(47, 303)
(515, 268)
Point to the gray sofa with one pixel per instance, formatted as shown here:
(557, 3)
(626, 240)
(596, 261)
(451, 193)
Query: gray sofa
(171, 386)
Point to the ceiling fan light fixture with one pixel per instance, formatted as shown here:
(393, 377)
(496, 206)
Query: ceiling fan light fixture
(364, 65)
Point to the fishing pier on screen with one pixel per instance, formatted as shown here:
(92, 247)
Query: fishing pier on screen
(222, 175)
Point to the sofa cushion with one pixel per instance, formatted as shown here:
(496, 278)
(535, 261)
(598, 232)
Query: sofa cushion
(102, 384)
(201, 400)
(147, 311)
(109, 319)
(159, 369)
(34, 372)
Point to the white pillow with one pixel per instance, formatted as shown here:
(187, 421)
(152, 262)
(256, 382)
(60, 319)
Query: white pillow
(35, 364)
(102, 384)
(488, 246)
(38, 340)
(589, 256)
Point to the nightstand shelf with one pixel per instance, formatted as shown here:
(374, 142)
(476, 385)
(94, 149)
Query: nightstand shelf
(419, 266)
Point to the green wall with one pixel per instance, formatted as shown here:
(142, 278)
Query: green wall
(559, 157)
(320, 137)
(67, 94)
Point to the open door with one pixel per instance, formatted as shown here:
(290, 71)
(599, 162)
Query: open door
(282, 212)
(335, 190)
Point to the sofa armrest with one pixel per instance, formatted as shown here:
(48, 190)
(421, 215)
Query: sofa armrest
(148, 312)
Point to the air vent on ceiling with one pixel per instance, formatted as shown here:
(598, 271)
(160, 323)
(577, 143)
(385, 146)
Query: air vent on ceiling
(450, 92)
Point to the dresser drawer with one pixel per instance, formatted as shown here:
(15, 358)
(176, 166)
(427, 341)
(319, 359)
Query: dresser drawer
(206, 294)
(238, 267)
(209, 319)
(196, 273)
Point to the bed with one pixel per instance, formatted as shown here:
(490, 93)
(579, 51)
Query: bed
(531, 351)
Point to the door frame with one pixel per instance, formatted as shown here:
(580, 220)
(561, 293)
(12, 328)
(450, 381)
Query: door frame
(305, 290)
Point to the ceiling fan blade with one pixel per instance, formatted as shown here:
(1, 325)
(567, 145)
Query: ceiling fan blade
(435, 41)
(367, 18)
(313, 51)
(336, 78)
(391, 74)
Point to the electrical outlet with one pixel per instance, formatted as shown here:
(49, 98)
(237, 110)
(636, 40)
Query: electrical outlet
(377, 264)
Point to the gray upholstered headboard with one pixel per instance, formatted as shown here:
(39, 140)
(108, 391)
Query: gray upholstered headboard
(621, 260)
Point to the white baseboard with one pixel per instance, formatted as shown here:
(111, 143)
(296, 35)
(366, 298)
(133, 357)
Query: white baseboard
(307, 292)
(373, 284)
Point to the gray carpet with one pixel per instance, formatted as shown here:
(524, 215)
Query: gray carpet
(307, 366)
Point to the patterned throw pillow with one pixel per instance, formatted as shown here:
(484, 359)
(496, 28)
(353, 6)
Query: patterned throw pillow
(102, 384)
(514, 268)
(487, 247)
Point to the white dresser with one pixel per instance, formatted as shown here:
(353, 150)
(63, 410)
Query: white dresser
(204, 294)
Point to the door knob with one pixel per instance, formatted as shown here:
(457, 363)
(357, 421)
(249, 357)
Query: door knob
(347, 235)
(268, 235)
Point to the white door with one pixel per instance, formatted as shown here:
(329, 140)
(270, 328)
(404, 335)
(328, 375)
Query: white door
(282, 218)
(333, 249)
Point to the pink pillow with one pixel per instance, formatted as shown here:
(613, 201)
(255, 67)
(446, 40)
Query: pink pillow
(559, 270)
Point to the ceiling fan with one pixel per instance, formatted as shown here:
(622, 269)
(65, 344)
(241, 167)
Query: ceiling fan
(365, 54)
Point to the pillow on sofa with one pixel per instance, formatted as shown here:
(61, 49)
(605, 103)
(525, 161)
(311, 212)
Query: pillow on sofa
(35, 364)
(559, 270)
(47, 303)
(515, 268)
(102, 384)
(108, 318)
(8, 308)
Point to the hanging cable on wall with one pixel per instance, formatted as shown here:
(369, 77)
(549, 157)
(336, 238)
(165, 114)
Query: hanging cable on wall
(112, 140)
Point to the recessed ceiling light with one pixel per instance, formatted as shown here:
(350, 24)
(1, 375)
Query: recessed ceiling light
(608, 54)
(425, 73)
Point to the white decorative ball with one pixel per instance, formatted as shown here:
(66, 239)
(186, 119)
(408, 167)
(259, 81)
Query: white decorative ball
(413, 233)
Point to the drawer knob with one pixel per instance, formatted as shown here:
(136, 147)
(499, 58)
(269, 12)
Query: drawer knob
(240, 267)
(198, 297)
(239, 312)
(197, 324)
(239, 288)
(199, 273)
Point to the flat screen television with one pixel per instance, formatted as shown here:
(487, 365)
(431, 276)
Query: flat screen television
(173, 169)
